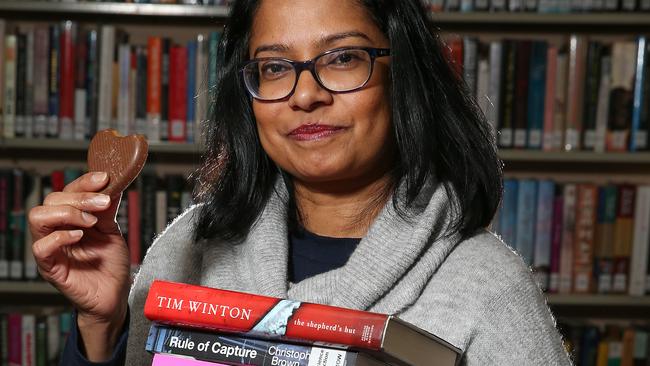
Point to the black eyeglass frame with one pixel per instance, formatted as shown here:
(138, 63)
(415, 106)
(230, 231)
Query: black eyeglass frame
(300, 66)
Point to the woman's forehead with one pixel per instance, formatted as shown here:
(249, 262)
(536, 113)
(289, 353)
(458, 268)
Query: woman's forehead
(302, 23)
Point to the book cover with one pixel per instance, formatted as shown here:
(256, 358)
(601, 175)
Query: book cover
(543, 232)
(41, 65)
(21, 84)
(568, 229)
(266, 317)
(80, 92)
(164, 88)
(494, 92)
(15, 352)
(621, 95)
(575, 92)
(602, 111)
(507, 85)
(585, 225)
(525, 227)
(161, 359)
(29, 83)
(54, 79)
(124, 97)
(10, 60)
(639, 133)
(604, 242)
(28, 340)
(536, 94)
(154, 91)
(623, 231)
(559, 119)
(640, 242)
(105, 95)
(233, 350)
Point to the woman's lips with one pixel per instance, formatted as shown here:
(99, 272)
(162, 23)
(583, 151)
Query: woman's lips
(314, 132)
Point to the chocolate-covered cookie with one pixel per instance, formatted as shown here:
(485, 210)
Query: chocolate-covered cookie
(122, 157)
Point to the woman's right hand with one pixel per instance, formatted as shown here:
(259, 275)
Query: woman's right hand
(79, 249)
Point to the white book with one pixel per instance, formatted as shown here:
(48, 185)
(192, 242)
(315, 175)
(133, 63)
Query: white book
(641, 241)
(107, 45)
(28, 340)
(602, 111)
(33, 200)
(516, 5)
(494, 90)
(161, 210)
(568, 228)
(9, 123)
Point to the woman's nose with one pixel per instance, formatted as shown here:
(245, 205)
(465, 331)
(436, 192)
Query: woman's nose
(308, 94)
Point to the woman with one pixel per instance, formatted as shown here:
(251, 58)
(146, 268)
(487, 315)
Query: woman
(370, 153)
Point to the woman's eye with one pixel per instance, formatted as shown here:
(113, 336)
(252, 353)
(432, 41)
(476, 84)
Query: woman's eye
(274, 69)
(344, 58)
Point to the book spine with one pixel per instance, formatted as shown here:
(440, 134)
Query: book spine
(177, 94)
(520, 97)
(21, 76)
(483, 86)
(80, 92)
(234, 350)
(105, 99)
(568, 228)
(201, 87)
(507, 86)
(639, 137)
(549, 99)
(606, 262)
(15, 356)
(41, 50)
(124, 98)
(602, 111)
(508, 219)
(92, 83)
(33, 199)
(133, 92)
(230, 311)
(161, 209)
(575, 92)
(5, 179)
(165, 89)
(141, 92)
(213, 47)
(29, 85)
(525, 228)
(623, 231)
(590, 106)
(67, 81)
(543, 232)
(559, 119)
(154, 70)
(16, 226)
(191, 90)
(133, 240)
(28, 337)
(494, 89)
(585, 225)
(641, 242)
(54, 78)
(620, 118)
(470, 59)
(3, 26)
(536, 92)
(9, 120)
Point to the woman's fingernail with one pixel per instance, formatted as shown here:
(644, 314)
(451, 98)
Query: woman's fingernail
(100, 200)
(76, 234)
(98, 177)
(91, 219)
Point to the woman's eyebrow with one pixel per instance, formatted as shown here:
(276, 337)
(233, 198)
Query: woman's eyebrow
(321, 43)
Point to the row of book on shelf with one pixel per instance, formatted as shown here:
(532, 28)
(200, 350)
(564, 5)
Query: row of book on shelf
(595, 342)
(33, 337)
(578, 94)
(67, 81)
(579, 237)
(183, 2)
(541, 6)
(147, 206)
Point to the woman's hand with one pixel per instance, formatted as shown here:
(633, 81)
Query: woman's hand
(79, 249)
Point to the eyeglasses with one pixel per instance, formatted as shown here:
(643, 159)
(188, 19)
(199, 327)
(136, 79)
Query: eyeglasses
(338, 70)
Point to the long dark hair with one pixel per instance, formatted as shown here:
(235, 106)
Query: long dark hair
(439, 130)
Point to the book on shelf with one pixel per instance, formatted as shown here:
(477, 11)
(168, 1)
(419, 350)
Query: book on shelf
(579, 237)
(383, 336)
(230, 349)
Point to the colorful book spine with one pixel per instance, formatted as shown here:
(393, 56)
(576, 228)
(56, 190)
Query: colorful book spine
(623, 231)
(620, 111)
(164, 89)
(566, 249)
(154, 91)
(585, 225)
(3, 26)
(5, 184)
(178, 94)
(639, 136)
(592, 80)
(525, 228)
(233, 350)
(559, 119)
(29, 84)
(575, 92)
(191, 90)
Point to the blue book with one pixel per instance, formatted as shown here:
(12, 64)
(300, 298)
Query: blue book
(543, 231)
(639, 137)
(213, 45)
(191, 89)
(526, 222)
(536, 94)
(508, 215)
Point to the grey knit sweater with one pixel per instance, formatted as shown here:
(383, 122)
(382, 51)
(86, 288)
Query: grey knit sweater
(477, 294)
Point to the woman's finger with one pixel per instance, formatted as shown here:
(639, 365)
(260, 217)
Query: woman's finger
(45, 248)
(89, 182)
(43, 220)
(83, 201)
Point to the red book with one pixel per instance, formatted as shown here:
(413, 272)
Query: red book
(267, 317)
(58, 180)
(67, 70)
(14, 348)
(178, 94)
(134, 228)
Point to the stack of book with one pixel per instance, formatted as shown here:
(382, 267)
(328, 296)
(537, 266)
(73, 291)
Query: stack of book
(195, 325)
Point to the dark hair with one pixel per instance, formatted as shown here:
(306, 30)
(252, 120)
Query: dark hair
(439, 130)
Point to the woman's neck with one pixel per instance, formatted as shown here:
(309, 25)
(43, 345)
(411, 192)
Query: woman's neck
(337, 209)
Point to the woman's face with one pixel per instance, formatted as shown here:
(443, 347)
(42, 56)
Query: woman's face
(315, 135)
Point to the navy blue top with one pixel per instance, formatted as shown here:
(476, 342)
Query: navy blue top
(311, 254)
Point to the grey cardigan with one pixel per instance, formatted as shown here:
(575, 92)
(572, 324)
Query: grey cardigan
(477, 294)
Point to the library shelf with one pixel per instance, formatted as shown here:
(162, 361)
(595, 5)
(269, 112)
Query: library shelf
(575, 157)
(57, 145)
